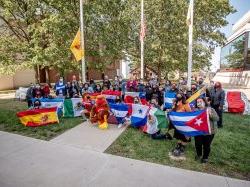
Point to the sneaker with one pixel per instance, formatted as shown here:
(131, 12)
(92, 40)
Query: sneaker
(176, 152)
(204, 161)
(177, 147)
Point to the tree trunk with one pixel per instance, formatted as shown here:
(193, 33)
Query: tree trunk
(37, 70)
(47, 75)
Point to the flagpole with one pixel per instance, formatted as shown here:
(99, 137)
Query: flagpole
(142, 41)
(82, 41)
(190, 44)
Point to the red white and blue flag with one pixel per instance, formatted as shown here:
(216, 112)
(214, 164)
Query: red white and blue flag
(191, 123)
(120, 111)
(139, 115)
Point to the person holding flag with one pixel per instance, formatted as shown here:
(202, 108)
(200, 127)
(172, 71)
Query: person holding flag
(203, 142)
(180, 106)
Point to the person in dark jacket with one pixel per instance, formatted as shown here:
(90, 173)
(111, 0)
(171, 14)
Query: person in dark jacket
(98, 88)
(73, 90)
(149, 92)
(217, 95)
(37, 93)
(141, 86)
(106, 82)
(29, 95)
(174, 88)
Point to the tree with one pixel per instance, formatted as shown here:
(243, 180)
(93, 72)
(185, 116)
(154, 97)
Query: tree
(166, 39)
(35, 33)
(39, 32)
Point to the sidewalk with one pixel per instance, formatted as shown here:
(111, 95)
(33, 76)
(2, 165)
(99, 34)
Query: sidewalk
(88, 136)
(30, 162)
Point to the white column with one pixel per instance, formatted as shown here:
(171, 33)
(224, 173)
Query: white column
(82, 41)
(142, 40)
(190, 45)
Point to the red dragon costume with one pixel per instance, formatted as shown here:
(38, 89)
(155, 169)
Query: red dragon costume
(100, 112)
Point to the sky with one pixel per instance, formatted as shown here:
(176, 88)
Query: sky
(242, 7)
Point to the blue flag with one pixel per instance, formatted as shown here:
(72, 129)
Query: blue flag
(168, 99)
(120, 111)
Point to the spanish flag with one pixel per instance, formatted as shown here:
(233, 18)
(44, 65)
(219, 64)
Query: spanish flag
(76, 47)
(38, 117)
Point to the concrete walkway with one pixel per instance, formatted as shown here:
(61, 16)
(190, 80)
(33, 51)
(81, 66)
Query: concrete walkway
(88, 136)
(7, 95)
(28, 162)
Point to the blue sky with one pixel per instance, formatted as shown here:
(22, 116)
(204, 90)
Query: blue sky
(242, 7)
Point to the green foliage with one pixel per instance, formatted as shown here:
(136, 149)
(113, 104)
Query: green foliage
(166, 42)
(39, 32)
(35, 32)
(236, 58)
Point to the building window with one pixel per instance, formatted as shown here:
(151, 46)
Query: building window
(232, 55)
(248, 51)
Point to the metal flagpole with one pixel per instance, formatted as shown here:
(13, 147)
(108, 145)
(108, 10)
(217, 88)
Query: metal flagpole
(190, 44)
(142, 40)
(82, 41)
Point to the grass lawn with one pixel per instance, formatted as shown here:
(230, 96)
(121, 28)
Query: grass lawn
(10, 123)
(230, 154)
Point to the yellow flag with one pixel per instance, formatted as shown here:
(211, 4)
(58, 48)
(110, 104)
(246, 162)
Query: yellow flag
(76, 47)
(197, 94)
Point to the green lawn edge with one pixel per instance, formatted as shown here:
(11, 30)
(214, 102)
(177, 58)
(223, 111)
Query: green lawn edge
(230, 153)
(9, 122)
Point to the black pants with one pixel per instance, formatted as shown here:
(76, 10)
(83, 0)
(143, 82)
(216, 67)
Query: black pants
(219, 112)
(30, 103)
(202, 143)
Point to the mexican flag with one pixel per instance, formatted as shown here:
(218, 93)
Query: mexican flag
(72, 107)
(156, 121)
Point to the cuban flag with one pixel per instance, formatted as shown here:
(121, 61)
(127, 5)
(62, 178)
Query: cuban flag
(139, 115)
(191, 123)
(168, 99)
(120, 111)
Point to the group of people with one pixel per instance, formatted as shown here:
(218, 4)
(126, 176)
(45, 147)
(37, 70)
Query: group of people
(154, 94)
